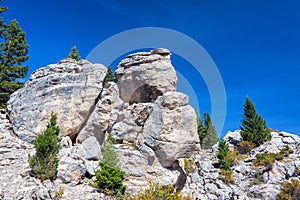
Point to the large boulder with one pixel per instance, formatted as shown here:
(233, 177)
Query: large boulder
(68, 89)
(142, 77)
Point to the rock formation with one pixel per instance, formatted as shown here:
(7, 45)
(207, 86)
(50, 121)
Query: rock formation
(68, 88)
(155, 133)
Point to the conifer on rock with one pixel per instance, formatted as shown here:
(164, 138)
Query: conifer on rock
(110, 75)
(110, 177)
(200, 128)
(44, 163)
(13, 52)
(211, 137)
(254, 128)
(74, 53)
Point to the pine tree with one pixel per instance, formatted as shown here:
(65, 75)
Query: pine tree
(211, 137)
(74, 53)
(225, 162)
(200, 128)
(110, 177)
(44, 163)
(13, 52)
(110, 75)
(254, 128)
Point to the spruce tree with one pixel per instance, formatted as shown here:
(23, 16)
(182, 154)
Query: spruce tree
(74, 53)
(254, 128)
(200, 128)
(110, 177)
(110, 75)
(13, 52)
(44, 163)
(211, 137)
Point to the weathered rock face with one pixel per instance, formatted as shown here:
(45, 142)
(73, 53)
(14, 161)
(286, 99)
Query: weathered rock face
(68, 89)
(142, 77)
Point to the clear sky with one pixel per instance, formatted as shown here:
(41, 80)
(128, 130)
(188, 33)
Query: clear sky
(255, 44)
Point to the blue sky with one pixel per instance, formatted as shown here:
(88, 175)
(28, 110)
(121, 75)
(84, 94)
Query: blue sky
(255, 44)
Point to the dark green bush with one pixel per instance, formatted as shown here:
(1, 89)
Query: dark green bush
(44, 163)
(289, 190)
(110, 177)
(110, 75)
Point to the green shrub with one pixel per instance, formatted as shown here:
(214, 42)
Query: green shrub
(188, 165)
(225, 156)
(258, 179)
(286, 151)
(158, 192)
(74, 53)
(44, 163)
(110, 75)
(244, 147)
(227, 176)
(267, 159)
(110, 177)
(289, 190)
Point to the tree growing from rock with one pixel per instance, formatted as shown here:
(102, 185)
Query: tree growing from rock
(110, 177)
(110, 75)
(13, 52)
(211, 137)
(200, 128)
(74, 53)
(44, 163)
(254, 128)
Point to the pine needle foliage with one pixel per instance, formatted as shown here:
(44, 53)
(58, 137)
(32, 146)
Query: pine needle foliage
(44, 163)
(254, 128)
(110, 177)
(74, 53)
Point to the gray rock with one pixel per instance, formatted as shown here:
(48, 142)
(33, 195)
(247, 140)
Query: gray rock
(70, 170)
(211, 188)
(89, 149)
(91, 166)
(142, 77)
(67, 89)
(171, 131)
(103, 117)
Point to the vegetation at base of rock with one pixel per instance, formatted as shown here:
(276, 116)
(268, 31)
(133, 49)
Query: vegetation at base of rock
(110, 177)
(244, 147)
(289, 190)
(74, 53)
(227, 176)
(258, 179)
(44, 163)
(286, 151)
(207, 132)
(59, 193)
(13, 52)
(110, 75)
(267, 159)
(254, 128)
(188, 165)
(157, 192)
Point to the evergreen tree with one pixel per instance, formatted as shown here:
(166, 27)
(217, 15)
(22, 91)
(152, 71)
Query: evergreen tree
(110, 177)
(74, 53)
(225, 162)
(13, 52)
(200, 128)
(44, 163)
(211, 137)
(254, 128)
(110, 75)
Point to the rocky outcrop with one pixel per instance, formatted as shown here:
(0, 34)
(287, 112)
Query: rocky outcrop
(68, 89)
(142, 77)
(251, 182)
